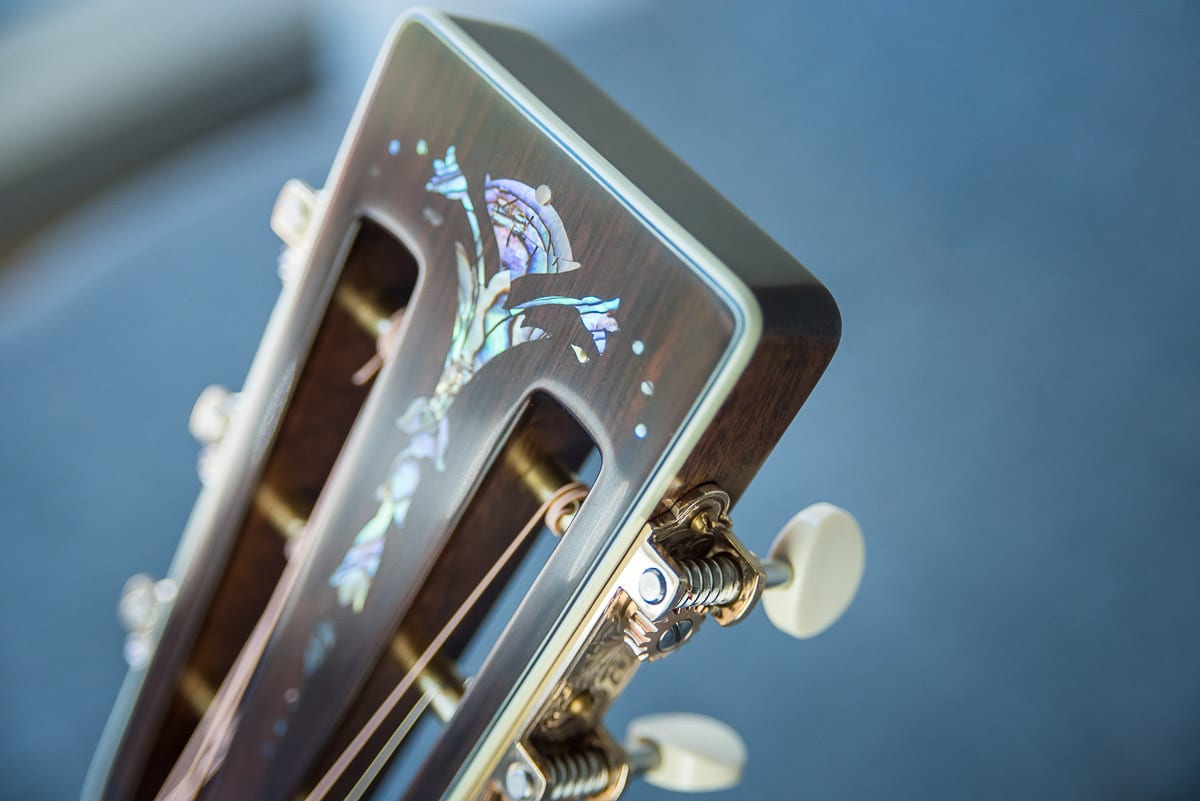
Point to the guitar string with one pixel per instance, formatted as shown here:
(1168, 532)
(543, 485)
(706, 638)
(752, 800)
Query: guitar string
(206, 747)
(550, 511)
(205, 751)
(373, 770)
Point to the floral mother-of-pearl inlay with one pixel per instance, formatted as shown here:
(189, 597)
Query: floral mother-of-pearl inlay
(531, 239)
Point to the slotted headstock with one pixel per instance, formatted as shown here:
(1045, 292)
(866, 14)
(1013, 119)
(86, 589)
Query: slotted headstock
(510, 309)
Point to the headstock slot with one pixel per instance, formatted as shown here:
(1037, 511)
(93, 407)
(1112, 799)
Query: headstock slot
(545, 445)
(378, 273)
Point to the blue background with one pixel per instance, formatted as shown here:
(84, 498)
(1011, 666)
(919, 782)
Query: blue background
(1003, 202)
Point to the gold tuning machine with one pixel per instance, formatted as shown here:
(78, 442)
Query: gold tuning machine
(689, 566)
(693, 560)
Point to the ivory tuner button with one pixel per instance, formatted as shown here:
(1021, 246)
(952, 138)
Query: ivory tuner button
(824, 551)
(294, 220)
(137, 607)
(686, 753)
(210, 415)
(294, 212)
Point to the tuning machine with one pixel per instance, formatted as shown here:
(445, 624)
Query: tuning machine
(143, 604)
(689, 566)
(691, 560)
(683, 752)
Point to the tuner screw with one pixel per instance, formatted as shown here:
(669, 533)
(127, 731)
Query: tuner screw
(519, 782)
(685, 752)
(815, 566)
(211, 414)
(137, 608)
(652, 585)
(141, 605)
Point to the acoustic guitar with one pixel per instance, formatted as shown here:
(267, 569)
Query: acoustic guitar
(524, 359)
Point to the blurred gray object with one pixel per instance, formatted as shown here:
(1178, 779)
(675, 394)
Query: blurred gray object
(1001, 199)
(94, 88)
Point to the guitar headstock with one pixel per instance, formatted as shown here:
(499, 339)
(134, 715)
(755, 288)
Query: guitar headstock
(521, 349)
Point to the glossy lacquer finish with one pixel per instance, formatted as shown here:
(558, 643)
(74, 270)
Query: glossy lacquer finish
(566, 260)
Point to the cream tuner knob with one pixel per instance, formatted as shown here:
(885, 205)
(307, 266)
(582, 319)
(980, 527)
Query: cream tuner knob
(210, 415)
(686, 753)
(815, 567)
(294, 212)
